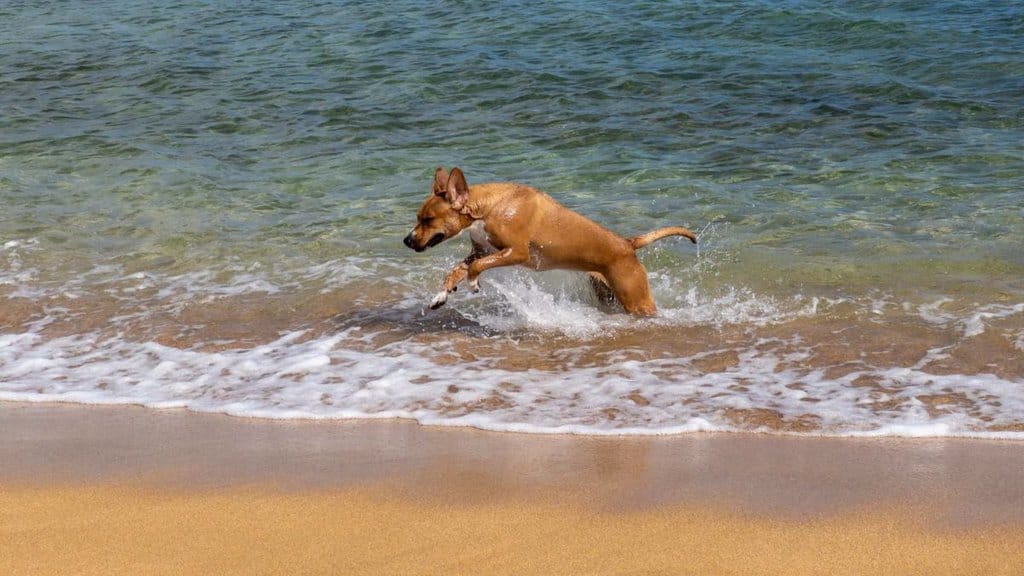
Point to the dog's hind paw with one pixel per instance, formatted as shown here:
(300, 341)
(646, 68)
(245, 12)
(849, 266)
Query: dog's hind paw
(439, 300)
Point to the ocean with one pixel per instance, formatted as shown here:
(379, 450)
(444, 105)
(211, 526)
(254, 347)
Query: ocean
(203, 206)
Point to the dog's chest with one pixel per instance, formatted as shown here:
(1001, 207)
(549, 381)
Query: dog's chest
(479, 236)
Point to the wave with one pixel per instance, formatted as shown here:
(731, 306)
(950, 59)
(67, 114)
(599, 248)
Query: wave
(532, 353)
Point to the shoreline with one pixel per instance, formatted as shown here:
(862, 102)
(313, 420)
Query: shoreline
(69, 444)
(97, 489)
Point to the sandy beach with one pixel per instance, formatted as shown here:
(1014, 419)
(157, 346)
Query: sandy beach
(105, 490)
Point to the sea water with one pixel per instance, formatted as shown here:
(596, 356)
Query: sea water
(203, 205)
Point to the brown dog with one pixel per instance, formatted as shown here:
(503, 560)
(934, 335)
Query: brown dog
(513, 224)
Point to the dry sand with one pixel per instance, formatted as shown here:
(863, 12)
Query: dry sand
(132, 491)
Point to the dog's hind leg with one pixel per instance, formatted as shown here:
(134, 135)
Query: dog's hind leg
(628, 279)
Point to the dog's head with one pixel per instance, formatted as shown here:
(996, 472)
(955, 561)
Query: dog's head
(443, 215)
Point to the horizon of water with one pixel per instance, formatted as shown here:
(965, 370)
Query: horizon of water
(203, 207)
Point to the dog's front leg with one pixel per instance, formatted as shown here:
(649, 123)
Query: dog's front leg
(507, 257)
(459, 273)
(451, 283)
(471, 268)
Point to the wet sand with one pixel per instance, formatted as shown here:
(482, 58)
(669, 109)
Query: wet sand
(101, 490)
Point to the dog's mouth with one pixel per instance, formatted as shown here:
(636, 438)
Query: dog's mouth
(434, 240)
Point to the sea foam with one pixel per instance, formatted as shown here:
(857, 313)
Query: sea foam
(532, 352)
(341, 375)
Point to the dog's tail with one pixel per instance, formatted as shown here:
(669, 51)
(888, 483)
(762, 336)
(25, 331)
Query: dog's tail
(642, 240)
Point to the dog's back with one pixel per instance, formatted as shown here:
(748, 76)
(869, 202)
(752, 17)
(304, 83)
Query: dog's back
(558, 237)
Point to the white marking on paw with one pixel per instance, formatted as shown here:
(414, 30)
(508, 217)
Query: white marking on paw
(474, 285)
(439, 300)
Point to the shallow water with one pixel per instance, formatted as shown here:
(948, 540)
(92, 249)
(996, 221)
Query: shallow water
(204, 205)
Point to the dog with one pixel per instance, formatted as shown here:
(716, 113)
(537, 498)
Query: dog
(513, 224)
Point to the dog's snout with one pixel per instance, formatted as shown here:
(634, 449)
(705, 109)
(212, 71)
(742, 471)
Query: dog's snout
(408, 240)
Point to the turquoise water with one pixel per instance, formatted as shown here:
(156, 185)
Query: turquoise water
(209, 177)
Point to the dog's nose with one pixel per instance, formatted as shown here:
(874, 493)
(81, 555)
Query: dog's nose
(408, 240)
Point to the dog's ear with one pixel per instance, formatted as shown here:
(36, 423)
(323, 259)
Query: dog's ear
(457, 191)
(440, 181)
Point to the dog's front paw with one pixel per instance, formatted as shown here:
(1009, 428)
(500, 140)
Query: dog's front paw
(474, 285)
(439, 300)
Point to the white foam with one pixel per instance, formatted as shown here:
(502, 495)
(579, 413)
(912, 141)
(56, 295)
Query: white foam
(933, 312)
(11, 245)
(170, 292)
(339, 272)
(974, 322)
(344, 375)
(977, 322)
(329, 377)
(14, 272)
(562, 302)
(516, 301)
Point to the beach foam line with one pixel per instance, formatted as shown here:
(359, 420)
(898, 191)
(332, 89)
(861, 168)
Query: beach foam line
(344, 375)
(477, 362)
